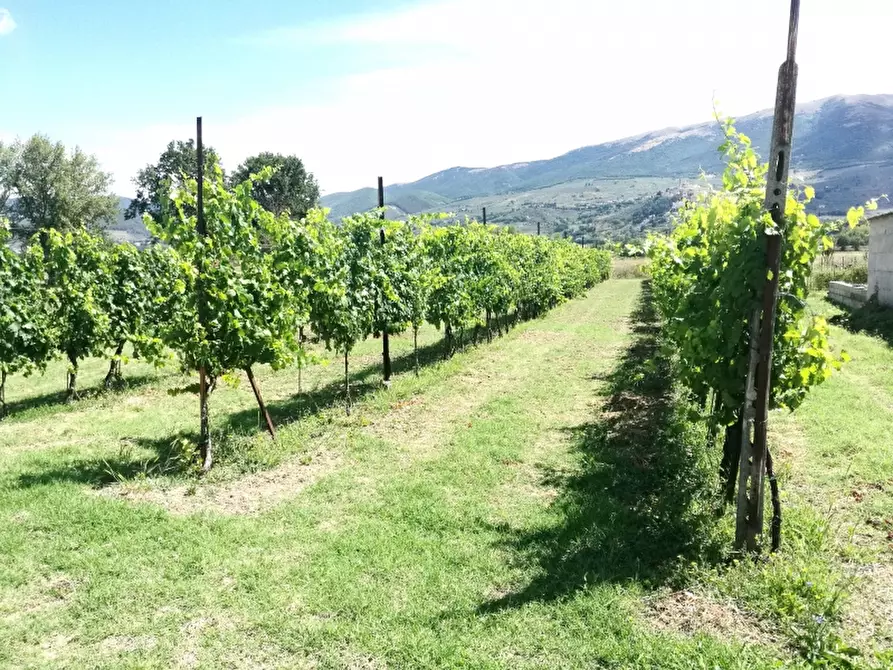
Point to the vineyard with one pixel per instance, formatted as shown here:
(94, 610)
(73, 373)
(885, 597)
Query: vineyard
(254, 288)
(473, 434)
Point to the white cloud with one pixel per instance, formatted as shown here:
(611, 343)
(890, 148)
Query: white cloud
(7, 24)
(516, 80)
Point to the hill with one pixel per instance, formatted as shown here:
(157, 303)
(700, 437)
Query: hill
(843, 146)
(124, 230)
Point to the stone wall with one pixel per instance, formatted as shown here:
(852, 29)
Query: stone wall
(848, 295)
(880, 258)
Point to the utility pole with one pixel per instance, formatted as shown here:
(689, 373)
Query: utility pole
(385, 343)
(755, 458)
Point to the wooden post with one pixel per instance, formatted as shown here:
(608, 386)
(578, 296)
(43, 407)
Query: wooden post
(485, 216)
(385, 342)
(260, 402)
(204, 443)
(750, 511)
(537, 228)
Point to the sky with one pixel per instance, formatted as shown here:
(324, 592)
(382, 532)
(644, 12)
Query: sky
(404, 88)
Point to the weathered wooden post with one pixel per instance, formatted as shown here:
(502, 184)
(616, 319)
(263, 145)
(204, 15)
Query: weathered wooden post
(755, 456)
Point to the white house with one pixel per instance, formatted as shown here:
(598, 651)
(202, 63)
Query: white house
(880, 258)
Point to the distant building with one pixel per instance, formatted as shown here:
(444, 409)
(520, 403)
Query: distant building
(880, 258)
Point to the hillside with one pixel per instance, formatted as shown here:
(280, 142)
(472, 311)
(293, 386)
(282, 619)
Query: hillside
(843, 146)
(124, 230)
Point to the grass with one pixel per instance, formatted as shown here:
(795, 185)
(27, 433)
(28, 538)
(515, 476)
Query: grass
(542, 501)
(629, 268)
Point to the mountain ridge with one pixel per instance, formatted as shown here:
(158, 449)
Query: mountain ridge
(834, 138)
(620, 189)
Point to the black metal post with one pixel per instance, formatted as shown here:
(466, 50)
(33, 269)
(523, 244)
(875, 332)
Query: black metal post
(385, 343)
(204, 445)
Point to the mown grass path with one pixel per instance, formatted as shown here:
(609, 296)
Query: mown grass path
(504, 511)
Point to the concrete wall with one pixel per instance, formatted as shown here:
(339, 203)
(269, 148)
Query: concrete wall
(848, 295)
(880, 258)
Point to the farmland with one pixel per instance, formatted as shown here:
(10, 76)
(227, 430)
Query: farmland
(481, 514)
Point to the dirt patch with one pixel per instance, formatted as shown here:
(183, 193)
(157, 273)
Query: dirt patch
(352, 660)
(248, 495)
(54, 646)
(689, 614)
(419, 426)
(122, 644)
(869, 618)
(37, 597)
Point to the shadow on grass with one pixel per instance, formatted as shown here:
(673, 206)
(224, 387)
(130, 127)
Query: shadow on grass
(167, 461)
(57, 401)
(642, 500)
(872, 319)
(124, 466)
(363, 381)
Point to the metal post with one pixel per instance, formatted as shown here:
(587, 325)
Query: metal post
(204, 445)
(776, 199)
(485, 216)
(537, 227)
(385, 343)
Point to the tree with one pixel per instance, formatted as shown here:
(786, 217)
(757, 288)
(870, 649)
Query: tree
(26, 341)
(143, 294)
(450, 302)
(55, 188)
(179, 159)
(345, 313)
(854, 238)
(8, 155)
(420, 277)
(241, 303)
(707, 279)
(289, 189)
(78, 288)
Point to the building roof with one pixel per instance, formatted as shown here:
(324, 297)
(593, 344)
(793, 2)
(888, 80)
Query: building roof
(880, 216)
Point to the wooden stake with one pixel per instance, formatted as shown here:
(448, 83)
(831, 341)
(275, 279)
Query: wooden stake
(776, 200)
(260, 402)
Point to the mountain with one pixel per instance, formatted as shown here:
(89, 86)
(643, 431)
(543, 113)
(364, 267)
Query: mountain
(843, 145)
(127, 230)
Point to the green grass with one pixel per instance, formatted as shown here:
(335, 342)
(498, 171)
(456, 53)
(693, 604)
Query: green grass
(536, 502)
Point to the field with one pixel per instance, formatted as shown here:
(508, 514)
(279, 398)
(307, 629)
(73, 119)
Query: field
(613, 209)
(542, 501)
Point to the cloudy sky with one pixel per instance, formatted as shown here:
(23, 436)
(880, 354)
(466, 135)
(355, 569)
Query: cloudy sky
(359, 88)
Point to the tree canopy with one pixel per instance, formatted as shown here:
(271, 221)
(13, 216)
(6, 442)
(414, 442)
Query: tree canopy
(42, 186)
(290, 188)
(180, 158)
